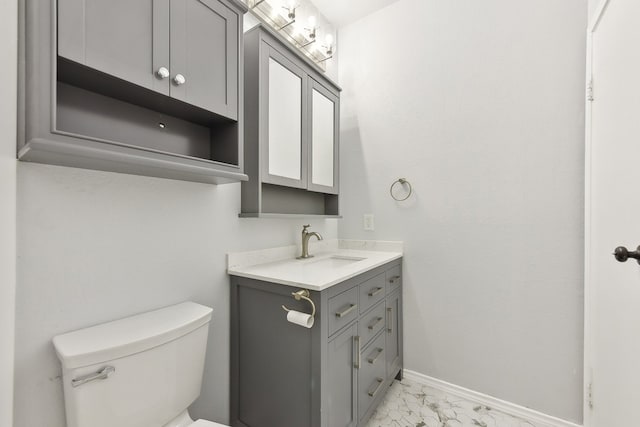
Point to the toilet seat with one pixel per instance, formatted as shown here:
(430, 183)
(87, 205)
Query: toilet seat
(205, 423)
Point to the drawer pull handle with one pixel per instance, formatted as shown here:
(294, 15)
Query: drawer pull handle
(373, 360)
(347, 311)
(373, 293)
(372, 393)
(374, 324)
(393, 279)
(356, 341)
(389, 319)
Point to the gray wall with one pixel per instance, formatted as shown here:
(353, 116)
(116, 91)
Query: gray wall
(8, 47)
(96, 246)
(480, 106)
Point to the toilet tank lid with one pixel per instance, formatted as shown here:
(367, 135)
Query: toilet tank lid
(124, 337)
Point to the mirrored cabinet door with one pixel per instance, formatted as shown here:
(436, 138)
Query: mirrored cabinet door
(285, 96)
(323, 162)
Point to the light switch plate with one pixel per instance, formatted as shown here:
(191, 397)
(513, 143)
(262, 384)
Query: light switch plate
(367, 222)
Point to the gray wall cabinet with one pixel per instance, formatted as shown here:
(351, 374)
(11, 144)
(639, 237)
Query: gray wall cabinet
(292, 127)
(331, 375)
(140, 87)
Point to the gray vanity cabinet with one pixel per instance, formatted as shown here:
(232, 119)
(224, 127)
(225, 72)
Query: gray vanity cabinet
(186, 49)
(393, 333)
(140, 87)
(331, 375)
(291, 131)
(342, 379)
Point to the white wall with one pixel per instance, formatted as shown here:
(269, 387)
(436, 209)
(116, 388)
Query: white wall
(97, 246)
(8, 74)
(480, 106)
(593, 5)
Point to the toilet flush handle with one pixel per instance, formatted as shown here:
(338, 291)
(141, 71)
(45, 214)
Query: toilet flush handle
(102, 374)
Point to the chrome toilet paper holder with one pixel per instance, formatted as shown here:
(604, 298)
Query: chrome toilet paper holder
(302, 294)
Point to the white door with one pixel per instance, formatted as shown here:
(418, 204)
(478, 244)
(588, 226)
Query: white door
(612, 339)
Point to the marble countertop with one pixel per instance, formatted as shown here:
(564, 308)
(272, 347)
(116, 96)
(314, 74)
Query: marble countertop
(333, 262)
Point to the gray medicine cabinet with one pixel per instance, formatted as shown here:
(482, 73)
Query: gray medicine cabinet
(292, 113)
(147, 88)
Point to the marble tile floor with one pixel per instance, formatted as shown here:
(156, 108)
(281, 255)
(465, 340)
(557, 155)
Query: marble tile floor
(411, 404)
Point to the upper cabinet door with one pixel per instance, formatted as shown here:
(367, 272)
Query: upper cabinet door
(324, 137)
(128, 39)
(282, 121)
(204, 61)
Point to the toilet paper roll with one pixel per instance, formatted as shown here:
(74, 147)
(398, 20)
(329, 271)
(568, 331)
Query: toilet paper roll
(301, 319)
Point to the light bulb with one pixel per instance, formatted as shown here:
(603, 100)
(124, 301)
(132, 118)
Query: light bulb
(291, 4)
(275, 9)
(329, 39)
(312, 22)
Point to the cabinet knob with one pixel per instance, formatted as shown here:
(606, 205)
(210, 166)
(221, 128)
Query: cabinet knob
(162, 73)
(179, 79)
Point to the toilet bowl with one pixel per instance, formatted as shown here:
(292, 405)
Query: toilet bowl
(141, 371)
(205, 423)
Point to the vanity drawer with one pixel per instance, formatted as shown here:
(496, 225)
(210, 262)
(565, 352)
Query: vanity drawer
(372, 291)
(371, 323)
(371, 378)
(343, 309)
(394, 278)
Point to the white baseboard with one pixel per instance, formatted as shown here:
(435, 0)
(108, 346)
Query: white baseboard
(492, 402)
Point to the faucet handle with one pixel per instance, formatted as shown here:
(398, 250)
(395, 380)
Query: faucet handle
(304, 227)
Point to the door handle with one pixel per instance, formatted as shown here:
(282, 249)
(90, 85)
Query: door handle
(622, 254)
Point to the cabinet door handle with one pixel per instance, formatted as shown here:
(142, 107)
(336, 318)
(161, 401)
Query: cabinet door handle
(162, 73)
(373, 392)
(373, 293)
(356, 341)
(179, 79)
(389, 319)
(373, 360)
(374, 324)
(393, 279)
(347, 311)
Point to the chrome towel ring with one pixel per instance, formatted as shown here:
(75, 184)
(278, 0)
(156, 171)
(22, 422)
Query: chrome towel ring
(402, 182)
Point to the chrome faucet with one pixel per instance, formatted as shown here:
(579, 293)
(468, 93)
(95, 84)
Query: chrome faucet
(305, 241)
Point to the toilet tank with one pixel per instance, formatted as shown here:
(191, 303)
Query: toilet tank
(141, 371)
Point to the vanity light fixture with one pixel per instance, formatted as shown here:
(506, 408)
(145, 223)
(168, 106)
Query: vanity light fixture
(306, 35)
(291, 14)
(328, 47)
(311, 31)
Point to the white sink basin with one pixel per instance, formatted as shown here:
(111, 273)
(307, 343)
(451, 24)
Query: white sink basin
(334, 261)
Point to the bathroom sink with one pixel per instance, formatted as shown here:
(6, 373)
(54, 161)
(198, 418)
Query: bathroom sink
(334, 261)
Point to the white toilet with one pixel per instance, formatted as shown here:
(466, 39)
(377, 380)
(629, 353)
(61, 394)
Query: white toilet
(141, 371)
